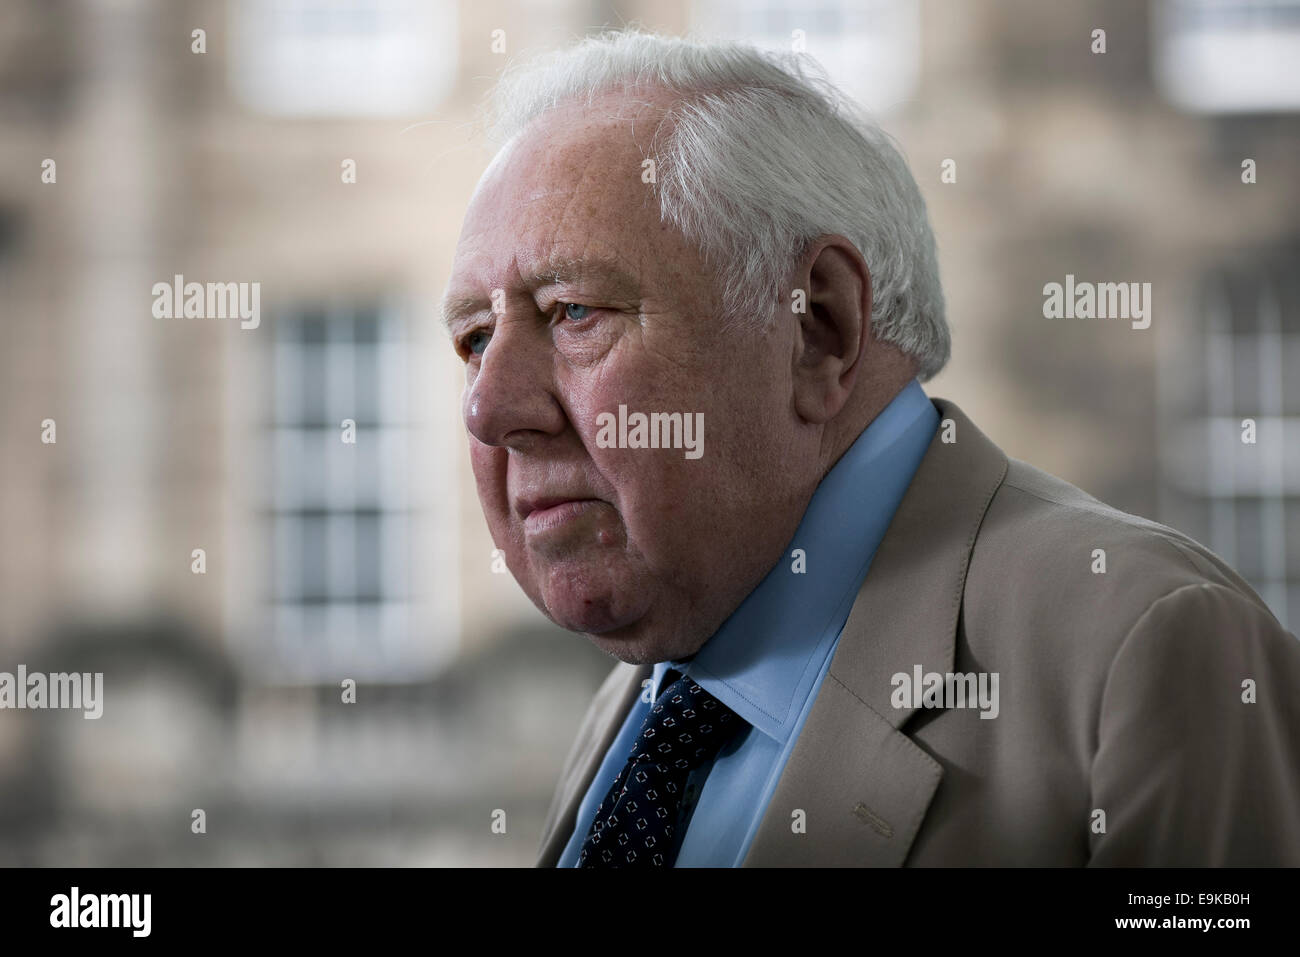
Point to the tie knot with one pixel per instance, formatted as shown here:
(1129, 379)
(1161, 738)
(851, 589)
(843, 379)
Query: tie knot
(685, 727)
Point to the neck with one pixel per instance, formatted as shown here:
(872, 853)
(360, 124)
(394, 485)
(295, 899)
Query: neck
(879, 383)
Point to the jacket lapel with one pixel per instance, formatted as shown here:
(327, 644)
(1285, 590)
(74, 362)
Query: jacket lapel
(599, 727)
(862, 785)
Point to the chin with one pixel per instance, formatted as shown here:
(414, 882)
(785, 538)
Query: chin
(590, 597)
(629, 652)
(573, 605)
(637, 647)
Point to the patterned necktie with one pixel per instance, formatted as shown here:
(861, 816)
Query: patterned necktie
(636, 822)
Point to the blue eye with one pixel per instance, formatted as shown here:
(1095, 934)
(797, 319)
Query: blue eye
(477, 341)
(581, 311)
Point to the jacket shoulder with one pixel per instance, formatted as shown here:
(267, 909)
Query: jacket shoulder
(1056, 565)
(1052, 523)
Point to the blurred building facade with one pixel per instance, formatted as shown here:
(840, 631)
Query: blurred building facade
(327, 150)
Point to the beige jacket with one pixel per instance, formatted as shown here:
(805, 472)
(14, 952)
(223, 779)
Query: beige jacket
(1125, 733)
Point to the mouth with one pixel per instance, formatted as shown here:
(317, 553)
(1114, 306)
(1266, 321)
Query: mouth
(547, 514)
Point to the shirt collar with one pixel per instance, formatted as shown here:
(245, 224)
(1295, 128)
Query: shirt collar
(762, 661)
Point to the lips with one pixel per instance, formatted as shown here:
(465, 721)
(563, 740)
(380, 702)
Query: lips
(527, 506)
(545, 514)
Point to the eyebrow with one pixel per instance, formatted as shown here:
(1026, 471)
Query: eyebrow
(453, 309)
(607, 270)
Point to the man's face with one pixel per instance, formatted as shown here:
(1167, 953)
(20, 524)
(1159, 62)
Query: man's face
(568, 299)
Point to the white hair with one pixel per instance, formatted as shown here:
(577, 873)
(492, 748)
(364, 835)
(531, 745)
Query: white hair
(762, 155)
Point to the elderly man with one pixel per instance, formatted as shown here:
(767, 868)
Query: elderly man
(694, 297)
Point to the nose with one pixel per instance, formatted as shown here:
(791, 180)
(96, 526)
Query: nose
(510, 400)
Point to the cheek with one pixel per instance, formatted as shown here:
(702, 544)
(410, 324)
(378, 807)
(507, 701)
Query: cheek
(663, 497)
(658, 491)
(489, 465)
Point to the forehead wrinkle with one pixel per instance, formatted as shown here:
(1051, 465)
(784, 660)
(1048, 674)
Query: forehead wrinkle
(586, 193)
(559, 269)
(582, 223)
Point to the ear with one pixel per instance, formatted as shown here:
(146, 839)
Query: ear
(834, 327)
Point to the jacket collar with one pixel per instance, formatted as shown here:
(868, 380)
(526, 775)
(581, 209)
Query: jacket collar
(862, 784)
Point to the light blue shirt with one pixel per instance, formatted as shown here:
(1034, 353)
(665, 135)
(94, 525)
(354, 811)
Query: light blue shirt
(767, 661)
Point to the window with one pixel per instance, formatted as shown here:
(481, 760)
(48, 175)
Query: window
(869, 48)
(1230, 426)
(349, 594)
(1228, 56)
(343, 57)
